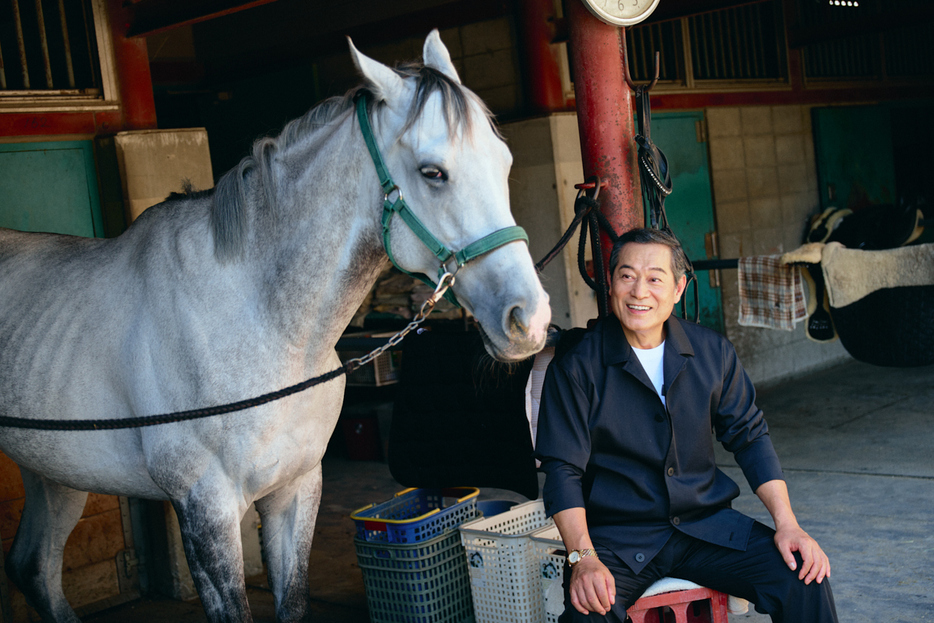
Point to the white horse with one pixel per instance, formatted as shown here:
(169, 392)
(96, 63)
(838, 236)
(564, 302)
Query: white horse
(218, 296)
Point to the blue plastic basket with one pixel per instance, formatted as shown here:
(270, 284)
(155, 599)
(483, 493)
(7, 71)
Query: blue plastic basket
(416, 515)
(424, 582)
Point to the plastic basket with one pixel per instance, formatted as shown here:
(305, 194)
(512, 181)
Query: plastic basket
(415, 515)
(548, 549)
(419, 583)
(504, 576)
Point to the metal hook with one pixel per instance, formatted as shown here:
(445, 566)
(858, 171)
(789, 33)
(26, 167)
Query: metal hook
(627, 75)
(593, 183)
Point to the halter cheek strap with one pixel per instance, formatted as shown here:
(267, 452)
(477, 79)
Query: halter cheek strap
(394, 203)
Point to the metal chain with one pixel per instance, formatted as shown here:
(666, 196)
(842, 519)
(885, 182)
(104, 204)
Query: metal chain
(445, 282)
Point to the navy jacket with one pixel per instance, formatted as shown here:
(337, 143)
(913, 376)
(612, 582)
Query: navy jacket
(608, 444)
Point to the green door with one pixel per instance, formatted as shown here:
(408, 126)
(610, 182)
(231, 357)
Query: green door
(853, 147)
(50, 187)
(690, 205)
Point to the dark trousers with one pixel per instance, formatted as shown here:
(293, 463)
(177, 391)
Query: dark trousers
(758, 574)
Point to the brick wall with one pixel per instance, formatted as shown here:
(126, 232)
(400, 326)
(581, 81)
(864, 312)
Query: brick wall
(765, 189)
(89, 570)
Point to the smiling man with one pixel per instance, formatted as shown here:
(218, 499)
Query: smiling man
(625, 441)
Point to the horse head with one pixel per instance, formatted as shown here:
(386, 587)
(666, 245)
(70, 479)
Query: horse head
(446, 158)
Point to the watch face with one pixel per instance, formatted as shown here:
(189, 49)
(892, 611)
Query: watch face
(621, 12)
(574, 557)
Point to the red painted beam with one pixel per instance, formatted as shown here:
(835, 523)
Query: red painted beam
(542, 72)
(605, 118)
(134, 80)
(155, 16)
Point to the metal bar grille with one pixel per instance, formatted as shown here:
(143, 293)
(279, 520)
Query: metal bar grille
(844, 58)
(909, 52)
(740, 43)
(644, 40)
(54, 42)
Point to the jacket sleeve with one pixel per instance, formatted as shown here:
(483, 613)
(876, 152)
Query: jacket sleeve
(563, 440)
(741, 426)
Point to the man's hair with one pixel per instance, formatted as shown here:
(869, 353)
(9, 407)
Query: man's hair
(645, 235)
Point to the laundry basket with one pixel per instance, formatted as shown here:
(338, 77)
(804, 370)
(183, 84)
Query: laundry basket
(425, 582)
(548, 550)
(414, 515)
(504, 575)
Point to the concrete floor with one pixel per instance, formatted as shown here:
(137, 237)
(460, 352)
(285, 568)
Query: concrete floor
(857, 446)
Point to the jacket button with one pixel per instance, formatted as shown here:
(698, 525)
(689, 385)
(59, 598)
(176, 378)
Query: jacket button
(675, 520)
(671, 471)
(659, 418)
(640, 557)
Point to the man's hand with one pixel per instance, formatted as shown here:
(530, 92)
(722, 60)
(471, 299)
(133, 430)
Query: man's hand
(593, 588)
(790, 538)
(815, 565)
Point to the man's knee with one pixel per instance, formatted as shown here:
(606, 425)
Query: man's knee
(793, 601)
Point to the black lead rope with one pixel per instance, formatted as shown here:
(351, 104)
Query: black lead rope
(587, 207)
(444, 283)
(656, 186)
(180, 416)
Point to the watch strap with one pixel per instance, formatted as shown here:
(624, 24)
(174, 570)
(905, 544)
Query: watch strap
(582, 553)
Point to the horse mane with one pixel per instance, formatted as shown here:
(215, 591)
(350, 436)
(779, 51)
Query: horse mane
(232, 194)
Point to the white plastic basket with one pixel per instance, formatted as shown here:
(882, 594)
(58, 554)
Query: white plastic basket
(548, 549)
(504, 572)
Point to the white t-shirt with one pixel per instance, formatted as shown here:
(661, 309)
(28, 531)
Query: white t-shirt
(652, 360)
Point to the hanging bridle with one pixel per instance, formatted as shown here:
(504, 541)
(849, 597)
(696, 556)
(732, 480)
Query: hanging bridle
(394, 203)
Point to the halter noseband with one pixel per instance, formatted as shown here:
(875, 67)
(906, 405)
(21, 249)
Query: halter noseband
(397, 205)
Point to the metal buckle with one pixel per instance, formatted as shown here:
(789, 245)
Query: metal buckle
(394, 189)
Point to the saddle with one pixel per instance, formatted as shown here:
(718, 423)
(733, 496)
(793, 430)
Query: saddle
(873, 227)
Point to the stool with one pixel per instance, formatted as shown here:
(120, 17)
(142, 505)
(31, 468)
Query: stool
(686, 601)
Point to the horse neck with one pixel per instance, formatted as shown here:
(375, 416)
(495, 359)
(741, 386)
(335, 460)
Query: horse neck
(327, 250)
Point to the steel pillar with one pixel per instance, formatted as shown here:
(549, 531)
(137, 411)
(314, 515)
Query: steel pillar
(605, 118)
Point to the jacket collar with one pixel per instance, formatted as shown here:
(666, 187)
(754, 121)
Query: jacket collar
(616, 348)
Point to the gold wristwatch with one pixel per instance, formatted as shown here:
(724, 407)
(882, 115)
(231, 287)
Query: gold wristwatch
(576, 555)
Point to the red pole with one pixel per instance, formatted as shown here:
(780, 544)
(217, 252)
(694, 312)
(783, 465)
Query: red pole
(605, 119)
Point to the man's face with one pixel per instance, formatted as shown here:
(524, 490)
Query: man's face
(644, 292)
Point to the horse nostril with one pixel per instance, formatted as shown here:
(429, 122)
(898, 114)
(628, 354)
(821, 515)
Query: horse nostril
(517, 320)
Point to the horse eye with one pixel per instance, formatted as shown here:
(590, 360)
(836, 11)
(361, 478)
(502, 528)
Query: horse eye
(433, 173)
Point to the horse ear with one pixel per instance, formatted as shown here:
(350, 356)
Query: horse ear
(386, 83)
(436, 56)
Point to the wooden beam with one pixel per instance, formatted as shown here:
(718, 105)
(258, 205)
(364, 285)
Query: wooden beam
(873, 23)
(150, 17)
(676, 9)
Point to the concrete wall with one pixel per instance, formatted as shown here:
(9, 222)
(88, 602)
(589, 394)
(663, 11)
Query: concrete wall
(546, 165)
(765, 189)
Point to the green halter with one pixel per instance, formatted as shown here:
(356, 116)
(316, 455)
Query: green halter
(392, 206)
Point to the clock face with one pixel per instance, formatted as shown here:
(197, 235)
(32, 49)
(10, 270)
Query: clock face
(621, 12)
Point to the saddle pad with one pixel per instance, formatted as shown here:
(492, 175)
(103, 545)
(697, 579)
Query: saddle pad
(851, 274)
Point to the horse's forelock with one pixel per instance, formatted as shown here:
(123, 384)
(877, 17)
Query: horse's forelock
(455, 99)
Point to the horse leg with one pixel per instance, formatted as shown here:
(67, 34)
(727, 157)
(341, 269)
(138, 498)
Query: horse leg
(211, 536)
(34, 563)
(288, 517)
